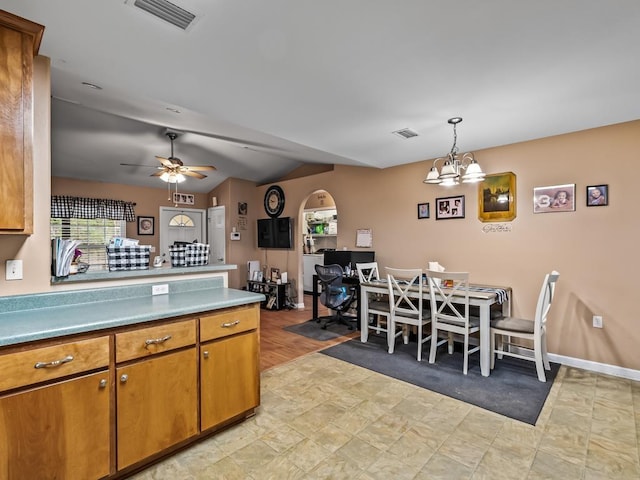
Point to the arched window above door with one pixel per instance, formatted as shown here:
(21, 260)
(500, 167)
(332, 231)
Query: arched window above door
(181, 220)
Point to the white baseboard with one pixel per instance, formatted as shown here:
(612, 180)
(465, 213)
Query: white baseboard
(596, 366)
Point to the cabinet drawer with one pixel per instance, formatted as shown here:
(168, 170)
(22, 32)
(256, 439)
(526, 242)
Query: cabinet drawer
(229, 322)
(47, 363)
(148, 341)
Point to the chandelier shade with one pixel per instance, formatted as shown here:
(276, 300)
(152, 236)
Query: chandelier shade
(450, 172)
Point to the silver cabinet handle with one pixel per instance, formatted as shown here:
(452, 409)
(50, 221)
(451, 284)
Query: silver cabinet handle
(230, 324)
(54, 363)
(154, 341)
(103, 383)
(123, 378)
(205, 354)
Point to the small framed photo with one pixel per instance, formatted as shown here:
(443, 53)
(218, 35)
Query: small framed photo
(555, 198)
(423, 210)
(242, 208)
(450, 207)
(275, 275)
(597, 195)
(145, 225)
(184, 198)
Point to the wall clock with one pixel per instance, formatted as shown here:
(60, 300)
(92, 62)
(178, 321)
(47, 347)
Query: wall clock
(274, 201)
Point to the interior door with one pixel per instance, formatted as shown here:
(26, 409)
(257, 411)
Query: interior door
(216, 234)
(181, 224)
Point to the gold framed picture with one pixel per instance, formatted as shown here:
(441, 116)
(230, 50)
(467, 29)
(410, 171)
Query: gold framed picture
(497, 198)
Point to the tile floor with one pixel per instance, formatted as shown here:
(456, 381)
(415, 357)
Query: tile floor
(322, 418)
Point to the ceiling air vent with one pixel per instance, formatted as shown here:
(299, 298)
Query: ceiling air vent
(167, 11)
(406, 133)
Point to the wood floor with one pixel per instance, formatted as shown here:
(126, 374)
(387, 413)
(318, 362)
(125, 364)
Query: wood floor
(278, 346)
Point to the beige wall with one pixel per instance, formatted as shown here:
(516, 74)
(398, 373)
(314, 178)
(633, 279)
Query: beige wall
(593, 248)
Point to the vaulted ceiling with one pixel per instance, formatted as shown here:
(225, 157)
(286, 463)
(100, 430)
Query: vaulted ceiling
(263, 87)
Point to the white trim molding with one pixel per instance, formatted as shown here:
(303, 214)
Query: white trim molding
(596, 367)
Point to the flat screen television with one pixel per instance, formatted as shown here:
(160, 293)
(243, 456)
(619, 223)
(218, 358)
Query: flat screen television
(275, 232)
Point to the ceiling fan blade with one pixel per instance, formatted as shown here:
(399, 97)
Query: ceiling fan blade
(192, 174)
(165, 161)
(157, 174)
(198, 167)
(138, 165)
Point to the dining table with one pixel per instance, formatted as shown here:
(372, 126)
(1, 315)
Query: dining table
(482, 296)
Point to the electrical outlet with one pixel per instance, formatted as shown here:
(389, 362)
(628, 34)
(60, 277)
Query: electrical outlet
(597, 321)
(160, 289)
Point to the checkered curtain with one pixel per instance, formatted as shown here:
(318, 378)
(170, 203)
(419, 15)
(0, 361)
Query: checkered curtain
(63, 206)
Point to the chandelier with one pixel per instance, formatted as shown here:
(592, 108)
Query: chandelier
(451, 171)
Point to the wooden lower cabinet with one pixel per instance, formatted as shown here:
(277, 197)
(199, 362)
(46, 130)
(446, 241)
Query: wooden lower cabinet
(103, 406)
(229, 378)
(58, 431)
(157, 405)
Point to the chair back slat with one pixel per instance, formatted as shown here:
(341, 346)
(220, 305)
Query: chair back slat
(449, 303)
(367, 271)
(401, 283)
(544, 300)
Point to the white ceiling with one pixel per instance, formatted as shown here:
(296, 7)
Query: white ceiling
(266, 86)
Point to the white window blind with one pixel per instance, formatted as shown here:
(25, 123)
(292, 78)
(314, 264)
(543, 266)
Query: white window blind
(94, 233)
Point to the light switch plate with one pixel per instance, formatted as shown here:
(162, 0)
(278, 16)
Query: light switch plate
(13, 270)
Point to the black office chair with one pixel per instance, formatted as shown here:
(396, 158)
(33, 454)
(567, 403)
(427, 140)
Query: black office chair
(335, 295)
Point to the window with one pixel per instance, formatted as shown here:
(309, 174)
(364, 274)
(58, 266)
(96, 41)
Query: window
(94, 234)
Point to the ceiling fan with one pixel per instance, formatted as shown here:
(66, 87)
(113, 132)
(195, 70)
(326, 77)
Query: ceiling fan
(173, 170)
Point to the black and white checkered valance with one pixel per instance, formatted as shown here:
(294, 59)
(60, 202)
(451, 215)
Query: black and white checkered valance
(63, 206)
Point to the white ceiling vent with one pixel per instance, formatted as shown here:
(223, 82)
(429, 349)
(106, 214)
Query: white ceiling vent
(166, 11)
(406, 133)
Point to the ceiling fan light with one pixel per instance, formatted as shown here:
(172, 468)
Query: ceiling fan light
(180, 178)
(164, 177)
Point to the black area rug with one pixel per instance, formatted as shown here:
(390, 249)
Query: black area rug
(512, 389)
(312, 329)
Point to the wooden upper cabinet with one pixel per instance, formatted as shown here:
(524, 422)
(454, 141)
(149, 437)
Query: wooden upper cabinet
(19, 43)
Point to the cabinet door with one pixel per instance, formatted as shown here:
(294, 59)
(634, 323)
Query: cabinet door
(16, 123)
(230, 383)
(57, 431)
(157, 405)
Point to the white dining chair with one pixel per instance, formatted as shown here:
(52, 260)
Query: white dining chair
(378, 305)
(450, 312)
(406, 306)
(534, 331)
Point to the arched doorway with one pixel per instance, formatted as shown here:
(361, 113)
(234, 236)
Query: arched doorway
(319, 229)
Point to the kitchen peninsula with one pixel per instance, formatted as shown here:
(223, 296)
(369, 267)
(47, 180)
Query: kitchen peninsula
(100, 382)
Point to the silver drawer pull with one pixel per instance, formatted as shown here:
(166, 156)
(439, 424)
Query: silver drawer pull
(54, 363)
(205, 354)
(230, 324)
(103, 383)
(154, 341)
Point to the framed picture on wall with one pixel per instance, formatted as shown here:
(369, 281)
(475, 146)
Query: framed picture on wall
(423, 210)
(183, 198)
(497, 198)
(450, 207)
(145, 225)
(597, 195)
(555, 198)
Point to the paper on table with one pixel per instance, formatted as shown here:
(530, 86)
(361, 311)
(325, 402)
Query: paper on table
(436, 267)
